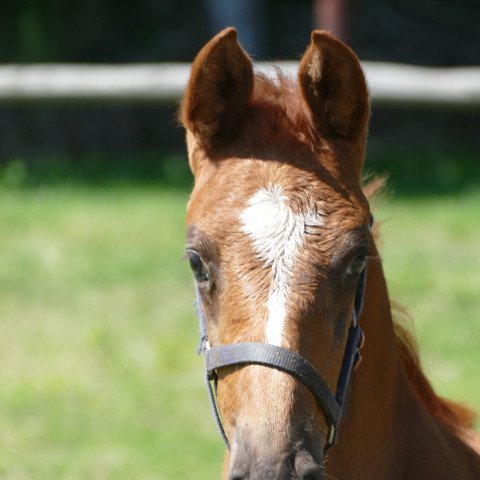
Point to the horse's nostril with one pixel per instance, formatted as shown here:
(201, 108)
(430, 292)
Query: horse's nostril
(313, 474)
(238, 474)
(306, 467)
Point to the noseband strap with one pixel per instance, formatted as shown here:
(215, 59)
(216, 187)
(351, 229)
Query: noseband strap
(276, 357)
(287, 361)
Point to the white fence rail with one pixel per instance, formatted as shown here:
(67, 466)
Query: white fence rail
(390, 84)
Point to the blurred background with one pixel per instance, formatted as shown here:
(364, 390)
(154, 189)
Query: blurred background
(99, 376)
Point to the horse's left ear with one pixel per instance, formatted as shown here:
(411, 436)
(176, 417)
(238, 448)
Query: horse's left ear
(219, 89)
(333, 85)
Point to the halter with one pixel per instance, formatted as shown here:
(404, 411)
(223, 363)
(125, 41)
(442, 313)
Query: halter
(287, 361)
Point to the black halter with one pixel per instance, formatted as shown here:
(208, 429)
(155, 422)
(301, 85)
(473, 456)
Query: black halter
(289, 362)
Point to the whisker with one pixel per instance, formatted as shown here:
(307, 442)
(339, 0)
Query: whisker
(330, 476)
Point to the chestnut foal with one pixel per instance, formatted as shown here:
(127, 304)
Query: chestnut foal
(279, 242)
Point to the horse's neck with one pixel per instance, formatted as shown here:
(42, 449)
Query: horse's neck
(386, 432)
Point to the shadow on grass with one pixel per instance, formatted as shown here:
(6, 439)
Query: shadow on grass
(411, 172)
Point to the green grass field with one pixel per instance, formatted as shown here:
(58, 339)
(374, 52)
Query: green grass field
(99, 376)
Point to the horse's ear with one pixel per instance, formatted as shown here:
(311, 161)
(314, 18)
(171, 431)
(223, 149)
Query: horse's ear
(333, 85)
(219, 89)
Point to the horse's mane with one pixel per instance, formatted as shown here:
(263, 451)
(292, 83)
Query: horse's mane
(455, 416)
(276, 106)
(280, 93)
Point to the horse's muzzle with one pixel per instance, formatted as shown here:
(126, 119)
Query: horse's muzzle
(299, 463)
(306, 469)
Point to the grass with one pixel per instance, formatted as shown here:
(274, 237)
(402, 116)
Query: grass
(431, 253)
(98, 335)
(99, 375)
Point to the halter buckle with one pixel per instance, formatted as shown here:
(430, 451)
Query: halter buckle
(358, 359)
(362, 341)
(331, 435)
(358, 354)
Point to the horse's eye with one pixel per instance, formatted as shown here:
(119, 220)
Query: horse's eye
(357, 266)
(197, 266)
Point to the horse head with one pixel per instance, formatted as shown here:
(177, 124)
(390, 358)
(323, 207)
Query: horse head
(278, 238)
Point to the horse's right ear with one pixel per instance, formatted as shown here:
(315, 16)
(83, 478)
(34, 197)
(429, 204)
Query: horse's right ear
(219, 89)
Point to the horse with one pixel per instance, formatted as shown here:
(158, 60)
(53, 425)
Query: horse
(289, 280)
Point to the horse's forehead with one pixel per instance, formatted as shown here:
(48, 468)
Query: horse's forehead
(245, 191)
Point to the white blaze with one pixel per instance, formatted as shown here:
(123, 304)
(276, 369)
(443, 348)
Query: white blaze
(277, 233)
